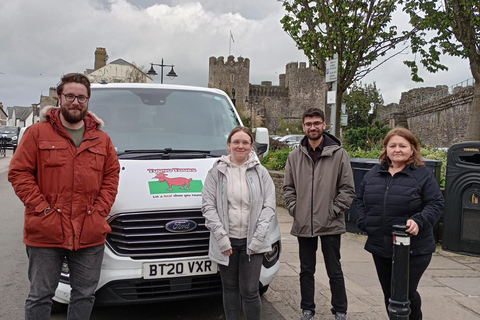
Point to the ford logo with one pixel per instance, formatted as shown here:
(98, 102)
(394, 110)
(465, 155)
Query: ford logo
(181, 225)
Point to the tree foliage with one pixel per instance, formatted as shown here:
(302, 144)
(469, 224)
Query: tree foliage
(358, 31)
(365, 138)
(454, 27)
(360, 101)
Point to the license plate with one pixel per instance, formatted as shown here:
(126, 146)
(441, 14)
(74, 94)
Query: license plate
(184, 268)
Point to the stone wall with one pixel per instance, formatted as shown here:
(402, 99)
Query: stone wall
(438, 118)
(443, 122)
(277, 177)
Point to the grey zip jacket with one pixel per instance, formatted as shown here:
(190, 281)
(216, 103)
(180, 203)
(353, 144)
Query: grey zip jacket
(317, 194)
(215, 209)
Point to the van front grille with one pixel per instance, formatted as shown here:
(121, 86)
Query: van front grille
(144, 235)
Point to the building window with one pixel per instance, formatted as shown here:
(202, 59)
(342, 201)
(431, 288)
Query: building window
(232, 77)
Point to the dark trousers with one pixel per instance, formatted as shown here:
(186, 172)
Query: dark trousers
(44, 268)
(331, 256)
(240, 282)
(418, 265)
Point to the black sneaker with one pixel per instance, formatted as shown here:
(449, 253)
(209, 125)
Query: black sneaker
(307, 315)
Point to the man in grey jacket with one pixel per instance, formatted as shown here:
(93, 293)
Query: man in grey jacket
(318, 188)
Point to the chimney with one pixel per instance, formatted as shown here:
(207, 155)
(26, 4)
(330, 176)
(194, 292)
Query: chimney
(100, 58)
(1, 105)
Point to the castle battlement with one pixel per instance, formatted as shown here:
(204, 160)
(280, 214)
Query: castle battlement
(220, 61)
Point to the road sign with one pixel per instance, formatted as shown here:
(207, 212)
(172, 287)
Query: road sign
(331, 70)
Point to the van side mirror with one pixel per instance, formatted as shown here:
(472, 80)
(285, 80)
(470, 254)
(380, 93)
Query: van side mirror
(262, 142)
(20, 134)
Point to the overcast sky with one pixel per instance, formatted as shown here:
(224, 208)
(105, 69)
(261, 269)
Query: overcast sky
(40, 40)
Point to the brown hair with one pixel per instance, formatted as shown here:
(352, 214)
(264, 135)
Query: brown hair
(313, 112)
(238, 129)
(73, 77)
(416, 158)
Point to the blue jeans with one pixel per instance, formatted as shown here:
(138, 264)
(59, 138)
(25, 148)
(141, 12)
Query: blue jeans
(240, 281)
(44, 268)
(331, 256)
(418, 265)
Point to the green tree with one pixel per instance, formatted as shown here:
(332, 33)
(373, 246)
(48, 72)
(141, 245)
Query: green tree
(361, 104)
(454, 27)
(358, 31)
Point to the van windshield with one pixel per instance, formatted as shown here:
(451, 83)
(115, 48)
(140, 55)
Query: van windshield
(144, 119)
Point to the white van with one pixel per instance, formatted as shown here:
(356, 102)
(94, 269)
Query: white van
(167, 138)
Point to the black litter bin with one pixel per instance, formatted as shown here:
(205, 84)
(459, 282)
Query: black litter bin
(461, 220)
(360, 167)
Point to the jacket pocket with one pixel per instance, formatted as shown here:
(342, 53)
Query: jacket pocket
(44, 227)
(53, 153)
(98, 161)
(95, 228)
(333, 215)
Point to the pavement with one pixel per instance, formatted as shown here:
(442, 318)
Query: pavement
(450, 287)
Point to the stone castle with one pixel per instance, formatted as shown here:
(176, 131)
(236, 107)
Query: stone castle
(300, 88)
(437, 115)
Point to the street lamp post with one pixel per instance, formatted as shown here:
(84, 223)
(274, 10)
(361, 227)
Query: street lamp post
(251, 109)
(152, 71)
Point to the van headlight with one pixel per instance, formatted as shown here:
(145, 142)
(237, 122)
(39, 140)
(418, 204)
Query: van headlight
(270, 258)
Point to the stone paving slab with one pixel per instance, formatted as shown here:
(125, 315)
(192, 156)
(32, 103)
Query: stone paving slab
(450, 288)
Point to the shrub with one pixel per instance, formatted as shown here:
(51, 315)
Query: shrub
(276, 145)
(365, 138)
(276, 160)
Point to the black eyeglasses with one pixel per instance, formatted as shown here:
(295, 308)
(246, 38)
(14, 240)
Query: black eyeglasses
(71, 98)
(316, 124)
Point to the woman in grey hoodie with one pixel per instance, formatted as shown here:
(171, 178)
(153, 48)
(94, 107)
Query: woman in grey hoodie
(238, 203)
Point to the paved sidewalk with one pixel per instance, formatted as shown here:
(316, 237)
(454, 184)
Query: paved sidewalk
(450, 288)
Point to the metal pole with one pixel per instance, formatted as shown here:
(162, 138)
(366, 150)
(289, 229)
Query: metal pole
(399, 307)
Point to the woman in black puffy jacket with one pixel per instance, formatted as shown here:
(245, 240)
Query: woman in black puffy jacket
(400, 190)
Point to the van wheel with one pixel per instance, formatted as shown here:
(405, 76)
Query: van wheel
(58, 307)
(263, 289)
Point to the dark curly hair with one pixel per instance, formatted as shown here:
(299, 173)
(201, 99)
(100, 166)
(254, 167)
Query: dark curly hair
(73, 77)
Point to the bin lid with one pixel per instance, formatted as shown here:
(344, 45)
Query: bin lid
(466, 153)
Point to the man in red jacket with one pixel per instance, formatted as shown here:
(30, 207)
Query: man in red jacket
(65, 171)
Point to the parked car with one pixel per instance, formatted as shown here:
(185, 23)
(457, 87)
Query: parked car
(9, 136)
(292, 139)
(275, 137)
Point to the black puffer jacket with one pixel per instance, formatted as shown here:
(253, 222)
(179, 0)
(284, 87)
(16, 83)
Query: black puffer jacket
(383, 201)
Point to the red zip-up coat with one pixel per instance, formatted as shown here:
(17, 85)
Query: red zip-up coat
(67, 192)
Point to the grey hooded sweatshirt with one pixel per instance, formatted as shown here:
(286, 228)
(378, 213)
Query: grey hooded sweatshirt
(261, 193)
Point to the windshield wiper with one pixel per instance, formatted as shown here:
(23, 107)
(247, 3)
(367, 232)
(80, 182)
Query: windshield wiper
(167, 153)
(166, 150)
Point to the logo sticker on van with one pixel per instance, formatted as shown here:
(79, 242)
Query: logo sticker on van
(174, 180)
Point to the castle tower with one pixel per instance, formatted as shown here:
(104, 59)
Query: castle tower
(100, 58)
(230, 74)
(306, 88)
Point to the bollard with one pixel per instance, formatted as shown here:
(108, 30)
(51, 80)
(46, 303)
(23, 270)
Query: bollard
(399, 307)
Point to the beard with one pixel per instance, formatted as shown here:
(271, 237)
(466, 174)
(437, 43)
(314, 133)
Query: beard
(314, 135)
(73, 118)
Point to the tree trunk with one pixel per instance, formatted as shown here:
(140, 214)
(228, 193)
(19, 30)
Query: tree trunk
(473, 129)
(338, 103)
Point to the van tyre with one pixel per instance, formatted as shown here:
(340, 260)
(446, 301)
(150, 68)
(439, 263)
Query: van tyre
(263, 289)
